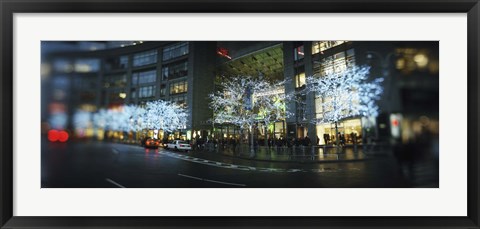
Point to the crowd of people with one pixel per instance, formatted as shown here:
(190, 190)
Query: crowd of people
(200, 143)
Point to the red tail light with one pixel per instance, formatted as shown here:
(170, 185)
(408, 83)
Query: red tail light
(53, 135)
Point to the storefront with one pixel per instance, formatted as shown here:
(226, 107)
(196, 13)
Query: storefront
(350, 128)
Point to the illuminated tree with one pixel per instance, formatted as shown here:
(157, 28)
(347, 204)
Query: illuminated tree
(270, 103)
(164, 115)
(245, 101)
(158, 115)
(346, 94)
(82, 119)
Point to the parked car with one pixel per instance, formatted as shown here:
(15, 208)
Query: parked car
(152, 143)
(179, 145)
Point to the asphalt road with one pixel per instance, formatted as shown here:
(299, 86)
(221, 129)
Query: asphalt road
(112, 165)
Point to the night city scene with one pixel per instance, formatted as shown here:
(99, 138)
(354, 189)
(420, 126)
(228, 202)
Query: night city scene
(240, 114)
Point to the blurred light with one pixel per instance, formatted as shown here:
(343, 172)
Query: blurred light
(425, 120)
(45, 70)
(58, 120)
(395, 120)
(62, 136)
(82, 68)
(433, 66)
(58, 94)
(400, 63)
(421, 60)
(122, 95)
(53, 135)
(88, 107)
(56, 108)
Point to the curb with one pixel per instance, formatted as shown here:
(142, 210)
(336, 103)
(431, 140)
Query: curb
(292, 161)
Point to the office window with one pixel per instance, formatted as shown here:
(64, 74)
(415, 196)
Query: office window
(181, 100)
(86, 65)
(144, 77)
(178, 87)
(299, 77)
(337, 63)
(133, 93)
(175, 70)
(116, 63)
(320, 46)
(115, 80)
(144, 58)
(299, 53)
(62, 66)
(163, 90)
(146, 92)
(176, 50)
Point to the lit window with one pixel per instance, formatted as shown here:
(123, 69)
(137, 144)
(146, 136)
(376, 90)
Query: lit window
(87, 65)
(336, 63)
(299, 53)
(300, 80)
(320, 46)
(178, 87)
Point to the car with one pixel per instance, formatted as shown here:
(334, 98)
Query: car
(179, 145)
(152, 143)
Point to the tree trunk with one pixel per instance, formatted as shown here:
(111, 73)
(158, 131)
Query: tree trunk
(337, 137)
(266, 136)
(252, 150)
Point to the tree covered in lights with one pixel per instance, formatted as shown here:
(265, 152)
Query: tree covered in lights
(346, 94)
(244, 101)
(164, 115)
(132, 117)
(157, 115)
(270, 103)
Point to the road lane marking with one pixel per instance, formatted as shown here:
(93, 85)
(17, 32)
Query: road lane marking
(227, 183)
(196, 178)
(247, 168)
(115, 183)
(213, 181)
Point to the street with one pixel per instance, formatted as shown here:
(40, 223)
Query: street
(114, 165)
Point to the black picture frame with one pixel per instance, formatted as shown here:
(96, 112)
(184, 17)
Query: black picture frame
(10, 7)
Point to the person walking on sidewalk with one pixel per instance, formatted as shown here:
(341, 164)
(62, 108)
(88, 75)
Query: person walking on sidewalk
(307, 141)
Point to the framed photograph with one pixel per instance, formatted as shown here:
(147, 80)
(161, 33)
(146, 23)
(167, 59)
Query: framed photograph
(238, 114)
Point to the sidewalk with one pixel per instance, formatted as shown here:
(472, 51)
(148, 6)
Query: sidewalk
(299, 154)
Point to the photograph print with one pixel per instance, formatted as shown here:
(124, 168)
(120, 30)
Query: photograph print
(240, 114)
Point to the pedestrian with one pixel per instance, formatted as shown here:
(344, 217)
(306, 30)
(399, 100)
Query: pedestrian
(307, 141)
(318, 140)
(325, 138)
(342, 139)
